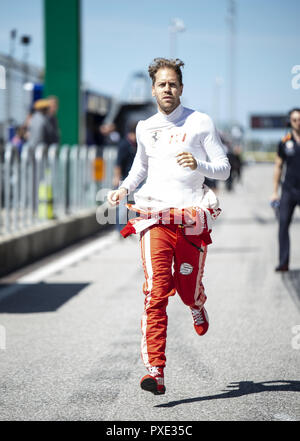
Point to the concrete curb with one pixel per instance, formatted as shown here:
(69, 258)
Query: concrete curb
(19, 249)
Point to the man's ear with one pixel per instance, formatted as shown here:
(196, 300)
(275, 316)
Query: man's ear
(181, 89)
(153, 91)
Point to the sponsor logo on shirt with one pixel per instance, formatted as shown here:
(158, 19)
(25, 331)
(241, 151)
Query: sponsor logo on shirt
(177, 137)
(155, 136)
(290, 147)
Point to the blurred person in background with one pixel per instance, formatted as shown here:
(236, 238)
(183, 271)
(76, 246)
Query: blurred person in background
(238, 163)
(233, 153)
(38, 133)
(288, 155)
(238, 168)
(126, 152)
(235, 170)
(53, 127)
(177, 148)
(109, 134)
(38, 125)
(27, 124)
(19, 138)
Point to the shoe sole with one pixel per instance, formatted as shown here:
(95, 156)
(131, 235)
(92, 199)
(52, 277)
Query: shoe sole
(150, 386)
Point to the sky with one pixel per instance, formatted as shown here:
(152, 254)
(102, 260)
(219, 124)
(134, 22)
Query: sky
(120, 38)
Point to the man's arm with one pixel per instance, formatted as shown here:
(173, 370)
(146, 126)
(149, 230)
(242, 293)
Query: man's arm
(277, 177)
(137, 173)
(218, 166)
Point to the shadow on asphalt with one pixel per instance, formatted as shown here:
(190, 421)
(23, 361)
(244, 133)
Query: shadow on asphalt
(247, 220)
(256, 219)
(38, 297)
(291, 280)
(225, 250)
(242, 388)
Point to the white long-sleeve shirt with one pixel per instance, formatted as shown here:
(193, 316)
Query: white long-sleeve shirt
(160, 138)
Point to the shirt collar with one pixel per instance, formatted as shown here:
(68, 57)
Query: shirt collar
(173, 116)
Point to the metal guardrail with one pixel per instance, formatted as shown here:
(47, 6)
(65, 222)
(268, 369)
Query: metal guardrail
(50, 183)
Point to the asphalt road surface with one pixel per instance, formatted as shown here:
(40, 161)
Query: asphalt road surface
(70, 329)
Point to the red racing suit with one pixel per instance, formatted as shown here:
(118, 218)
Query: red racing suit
(173, 249)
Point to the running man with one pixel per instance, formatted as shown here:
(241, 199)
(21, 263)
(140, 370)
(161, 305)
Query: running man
(177, 148)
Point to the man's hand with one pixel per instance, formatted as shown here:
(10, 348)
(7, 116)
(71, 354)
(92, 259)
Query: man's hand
(274, 197)
(186, 160)
(114, 197)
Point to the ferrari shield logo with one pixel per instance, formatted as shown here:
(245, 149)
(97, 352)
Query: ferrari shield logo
(155, 136)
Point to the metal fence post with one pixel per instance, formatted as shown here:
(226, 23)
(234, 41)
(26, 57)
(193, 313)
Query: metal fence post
(42, 182)
(82, 175)
(110, 154)
(41, 165)
(27, 185)
(73, 178)
(91, 197)
(63, 179)
(53, 178)
(11, 182)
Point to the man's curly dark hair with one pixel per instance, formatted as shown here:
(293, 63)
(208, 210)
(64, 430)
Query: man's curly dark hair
(158, 63)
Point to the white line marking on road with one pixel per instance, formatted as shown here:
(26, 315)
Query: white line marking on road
(283, 417)
(60, 264)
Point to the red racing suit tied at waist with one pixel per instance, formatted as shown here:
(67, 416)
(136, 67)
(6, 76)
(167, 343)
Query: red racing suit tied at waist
(194, 221)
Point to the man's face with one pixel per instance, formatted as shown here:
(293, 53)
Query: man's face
(167, 90)
(295, 121)
(53, 106)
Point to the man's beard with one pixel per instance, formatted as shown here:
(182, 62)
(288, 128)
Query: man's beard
(168, 107)
(297, 130)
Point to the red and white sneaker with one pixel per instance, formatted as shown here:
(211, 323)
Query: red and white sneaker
(155, 381)
(201, 321)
